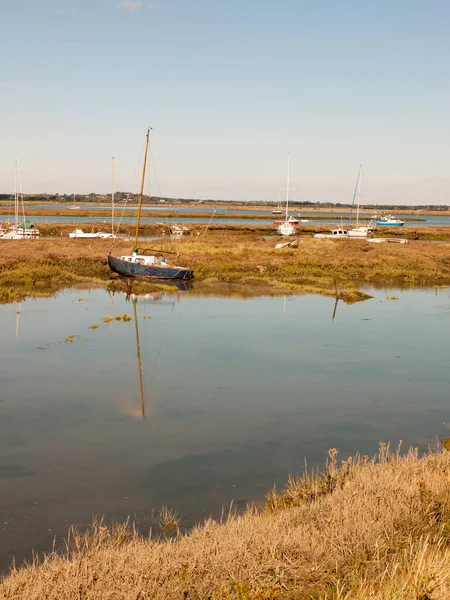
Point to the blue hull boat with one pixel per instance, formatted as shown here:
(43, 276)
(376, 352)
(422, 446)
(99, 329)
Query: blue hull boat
(389, 221)
(135, 266)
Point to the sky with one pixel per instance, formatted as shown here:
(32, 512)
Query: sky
(229, 89)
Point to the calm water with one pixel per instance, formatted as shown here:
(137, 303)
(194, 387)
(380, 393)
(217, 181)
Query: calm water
(220, 216)
(431, 221)
(237, 394)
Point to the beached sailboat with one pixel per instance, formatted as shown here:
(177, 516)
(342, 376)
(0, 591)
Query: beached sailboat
(286, 227)
(360, 231)
(139, 263)
(80, 234)
(22, 228)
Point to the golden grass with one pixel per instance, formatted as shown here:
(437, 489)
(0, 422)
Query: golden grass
(365, 529)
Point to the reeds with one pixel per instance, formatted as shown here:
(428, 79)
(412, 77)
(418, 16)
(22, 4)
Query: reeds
(368, 529)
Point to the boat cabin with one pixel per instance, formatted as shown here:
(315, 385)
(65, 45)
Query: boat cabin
(141, 259)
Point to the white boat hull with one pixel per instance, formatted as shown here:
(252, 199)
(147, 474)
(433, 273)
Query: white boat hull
(335, 234)
(20, 234)
(286, 228)
(80, 234)
(358, 232)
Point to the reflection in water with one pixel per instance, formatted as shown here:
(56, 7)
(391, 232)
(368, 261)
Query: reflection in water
(230, 396)
(18, 305)
(138, 352)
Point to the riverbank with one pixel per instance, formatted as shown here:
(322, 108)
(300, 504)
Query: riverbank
(151, 229)
(40, 267)
(364, 530)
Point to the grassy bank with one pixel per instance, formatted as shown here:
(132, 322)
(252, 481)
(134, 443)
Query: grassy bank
(52, 229)
(316, 266)
(364, 530)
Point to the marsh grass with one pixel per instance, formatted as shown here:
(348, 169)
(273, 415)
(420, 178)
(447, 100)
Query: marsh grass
(228, 257)
(365, 529)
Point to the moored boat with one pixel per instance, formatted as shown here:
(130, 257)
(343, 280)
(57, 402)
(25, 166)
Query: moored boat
(389, 221)
(79, 233)
(22, 228)
(287, 226)
(74, 206)
(179, 230)
(340, 232)
(277, 210)
(21, 231)
(360, 231)
(290, 219)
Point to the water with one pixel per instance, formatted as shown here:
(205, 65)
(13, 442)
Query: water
(430, 222)
(237, 393)
(334, 216)
(221, 216)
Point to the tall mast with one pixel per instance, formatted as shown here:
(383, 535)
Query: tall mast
(287, 185)
(16, 193)
(147, 137)
(20, 198)
(357, 196)
(112, 194)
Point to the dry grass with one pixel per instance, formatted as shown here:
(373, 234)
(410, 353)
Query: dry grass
(365, 529)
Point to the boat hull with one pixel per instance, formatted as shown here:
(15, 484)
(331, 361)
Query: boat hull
(390, 224)
(131, 269)
(354, 233)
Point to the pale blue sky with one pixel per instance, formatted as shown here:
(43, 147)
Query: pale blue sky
(229, 88)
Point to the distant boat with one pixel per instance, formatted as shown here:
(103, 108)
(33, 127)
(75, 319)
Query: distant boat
(290, 219)
(286, 227)
(74, 206)
(389, 221)
(277, 210)
(79, 233)
(22, 228)
(360, 231)
(340, 232)
(179, 230)
(139, 263)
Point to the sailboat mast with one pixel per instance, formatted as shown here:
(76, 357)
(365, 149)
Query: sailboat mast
(358, 194)
(142, 188)
(20, 198)
(16, 193)
(112, 194)
(287, 185)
